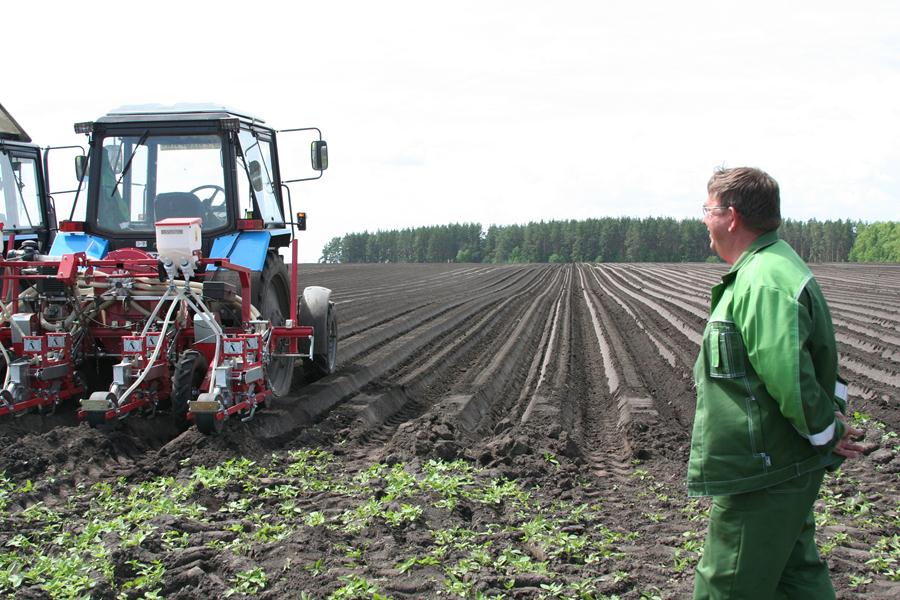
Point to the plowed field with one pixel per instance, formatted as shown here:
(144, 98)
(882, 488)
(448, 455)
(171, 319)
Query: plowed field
(491, 432)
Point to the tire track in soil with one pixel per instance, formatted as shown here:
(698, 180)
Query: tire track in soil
(650, 395)
(604, 444)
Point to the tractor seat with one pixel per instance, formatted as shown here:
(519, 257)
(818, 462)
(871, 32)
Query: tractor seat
(177, 205)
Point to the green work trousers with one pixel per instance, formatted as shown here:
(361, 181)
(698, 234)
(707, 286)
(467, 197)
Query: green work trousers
(761, 545)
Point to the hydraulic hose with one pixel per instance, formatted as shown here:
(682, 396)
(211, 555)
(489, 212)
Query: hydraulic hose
(155, 354)
(200, 308)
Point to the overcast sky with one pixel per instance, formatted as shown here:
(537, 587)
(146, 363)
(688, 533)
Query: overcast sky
(499, 112)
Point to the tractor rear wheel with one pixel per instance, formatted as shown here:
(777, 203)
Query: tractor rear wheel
(273, 301)
(186, 381)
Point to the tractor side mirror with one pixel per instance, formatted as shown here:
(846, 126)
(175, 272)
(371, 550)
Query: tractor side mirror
(80, 167)
(319, 152)
(256, 175)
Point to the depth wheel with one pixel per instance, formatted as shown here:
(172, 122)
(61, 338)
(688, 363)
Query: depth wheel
(274, 306)
(328, 361)
(208, 424)
(95, 419)
(324, 364)
(186, 381)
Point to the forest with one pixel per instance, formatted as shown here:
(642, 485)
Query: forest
(619, 239)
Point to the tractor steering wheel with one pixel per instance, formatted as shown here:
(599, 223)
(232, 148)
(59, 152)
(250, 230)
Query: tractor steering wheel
(207, 202)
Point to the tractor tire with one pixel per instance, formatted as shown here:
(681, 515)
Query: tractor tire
(186, 381)
(273, 301)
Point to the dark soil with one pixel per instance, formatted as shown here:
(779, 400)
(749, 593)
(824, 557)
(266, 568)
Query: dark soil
(509, 431)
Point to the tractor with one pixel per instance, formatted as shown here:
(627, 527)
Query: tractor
(169, 291)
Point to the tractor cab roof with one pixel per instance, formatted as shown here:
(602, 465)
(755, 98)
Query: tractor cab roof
(182, 111)
(9, 129)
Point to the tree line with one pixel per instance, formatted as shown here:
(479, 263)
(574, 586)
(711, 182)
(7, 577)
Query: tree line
(609, 239)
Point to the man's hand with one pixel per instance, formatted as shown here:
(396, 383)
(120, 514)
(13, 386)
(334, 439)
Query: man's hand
(846, 446)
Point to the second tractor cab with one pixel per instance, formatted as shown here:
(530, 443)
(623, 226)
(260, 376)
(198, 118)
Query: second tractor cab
(26, 211)
(169, 289)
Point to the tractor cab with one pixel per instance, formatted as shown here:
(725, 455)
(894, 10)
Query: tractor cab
(150, 163)
(25, 208)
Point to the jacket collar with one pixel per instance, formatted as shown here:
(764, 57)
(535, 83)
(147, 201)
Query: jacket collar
(764, 240)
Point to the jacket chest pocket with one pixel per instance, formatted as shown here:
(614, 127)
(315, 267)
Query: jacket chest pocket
(725, 348)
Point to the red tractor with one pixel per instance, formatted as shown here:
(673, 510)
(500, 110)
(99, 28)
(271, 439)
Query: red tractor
(169, 293)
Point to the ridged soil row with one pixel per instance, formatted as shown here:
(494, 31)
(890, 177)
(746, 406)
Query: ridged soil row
(656, 287)
(382, 364)
(506, 375)
(675, 282)
(678, 350)
(888, 321)
(673, 320)
(389, 295)
(872, 277)
(457, 376)
(418, 280)
(654, 343)
(366, 338)
(868, 353)
(547, 398)
(702, 275)
(866, 344)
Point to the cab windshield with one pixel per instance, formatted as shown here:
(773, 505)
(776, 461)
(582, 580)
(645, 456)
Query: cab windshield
(20, 209)
(146, 178)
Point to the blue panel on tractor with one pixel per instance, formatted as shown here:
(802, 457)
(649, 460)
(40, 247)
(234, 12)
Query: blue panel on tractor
(71, 242)
(245, 248)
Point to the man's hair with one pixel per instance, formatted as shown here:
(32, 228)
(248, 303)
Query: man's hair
(753, 194)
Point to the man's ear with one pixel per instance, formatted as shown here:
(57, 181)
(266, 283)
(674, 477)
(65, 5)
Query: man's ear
(735, 219)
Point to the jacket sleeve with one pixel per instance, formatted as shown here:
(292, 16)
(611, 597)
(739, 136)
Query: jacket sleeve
(776, 329)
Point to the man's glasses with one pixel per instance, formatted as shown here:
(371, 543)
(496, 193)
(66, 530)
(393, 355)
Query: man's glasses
(708, 209)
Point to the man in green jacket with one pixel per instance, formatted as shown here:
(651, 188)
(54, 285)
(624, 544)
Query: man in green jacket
(770, 403)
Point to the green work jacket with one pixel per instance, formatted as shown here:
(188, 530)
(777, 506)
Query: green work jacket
(767, 377)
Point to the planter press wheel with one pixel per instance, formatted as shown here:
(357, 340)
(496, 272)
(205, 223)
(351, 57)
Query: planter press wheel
(273, 304)
(95, 419)
(186, 381)
(208, 424)
(328, 361)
